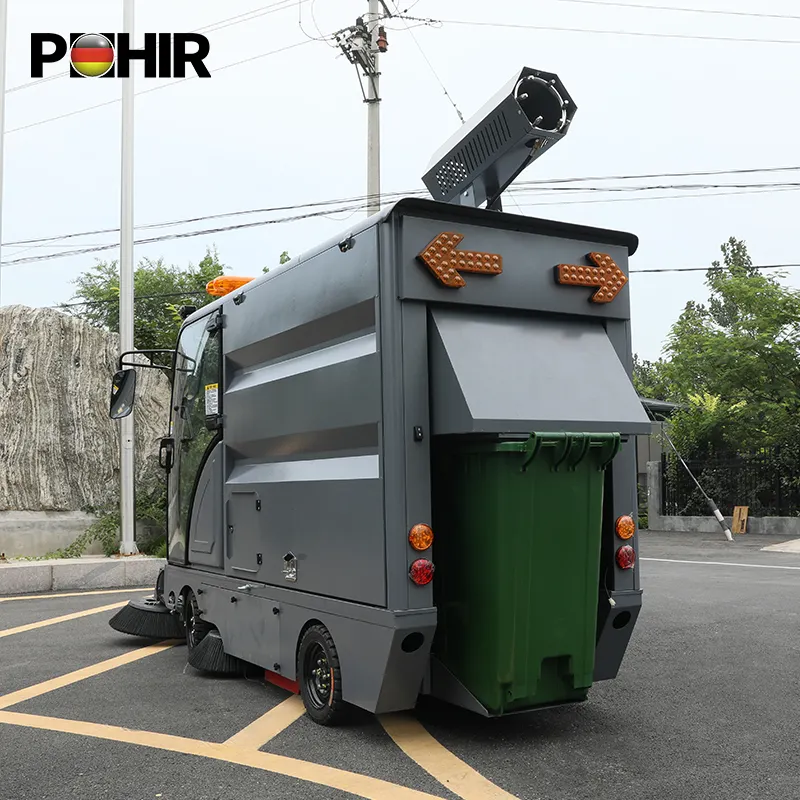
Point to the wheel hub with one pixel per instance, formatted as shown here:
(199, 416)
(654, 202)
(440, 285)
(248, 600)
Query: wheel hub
(319, 676)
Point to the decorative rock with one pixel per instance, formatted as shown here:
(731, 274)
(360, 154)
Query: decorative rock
(59, 451)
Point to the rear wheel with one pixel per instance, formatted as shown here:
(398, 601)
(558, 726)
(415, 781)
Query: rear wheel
(320, 676)
(196, 628)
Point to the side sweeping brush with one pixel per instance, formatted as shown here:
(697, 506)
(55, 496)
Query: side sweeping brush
(148, 618)
(210, 656)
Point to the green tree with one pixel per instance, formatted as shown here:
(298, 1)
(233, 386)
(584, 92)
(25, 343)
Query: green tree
(651, 379)
(284, 257)
(159, 289)
(742, 347)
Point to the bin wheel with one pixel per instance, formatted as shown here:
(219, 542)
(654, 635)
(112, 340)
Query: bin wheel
(320, 676)
(196, 627)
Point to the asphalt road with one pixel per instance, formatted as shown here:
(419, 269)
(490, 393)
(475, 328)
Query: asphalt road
(705, 707)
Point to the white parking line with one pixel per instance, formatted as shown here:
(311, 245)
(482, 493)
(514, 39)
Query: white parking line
(720, 563)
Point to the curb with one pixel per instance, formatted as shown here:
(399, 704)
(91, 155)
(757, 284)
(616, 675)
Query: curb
(88, 572)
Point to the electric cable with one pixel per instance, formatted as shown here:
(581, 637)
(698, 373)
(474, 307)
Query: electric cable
(154, 88)
(521, 187)
(563, 29)
(433, 70)
(684, 9)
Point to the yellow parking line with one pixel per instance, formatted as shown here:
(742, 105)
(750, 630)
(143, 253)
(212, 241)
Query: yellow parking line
(438, 761)
(11, 699)
(65, 618)
(359, 785)
(269, 725)
(72, 594)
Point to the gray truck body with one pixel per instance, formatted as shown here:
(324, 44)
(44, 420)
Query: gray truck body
(338, 369)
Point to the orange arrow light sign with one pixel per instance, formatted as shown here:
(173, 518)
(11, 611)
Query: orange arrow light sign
(445, 261)
(605, 276)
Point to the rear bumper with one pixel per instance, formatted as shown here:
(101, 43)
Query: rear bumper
(614, 630)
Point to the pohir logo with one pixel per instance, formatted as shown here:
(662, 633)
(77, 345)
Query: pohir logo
(109, 55)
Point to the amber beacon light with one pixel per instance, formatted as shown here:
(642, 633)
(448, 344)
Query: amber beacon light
(225, 284)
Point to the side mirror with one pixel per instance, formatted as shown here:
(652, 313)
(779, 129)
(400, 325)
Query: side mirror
(123, 390)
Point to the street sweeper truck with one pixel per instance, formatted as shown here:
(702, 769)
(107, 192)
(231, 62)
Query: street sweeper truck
(402, 463)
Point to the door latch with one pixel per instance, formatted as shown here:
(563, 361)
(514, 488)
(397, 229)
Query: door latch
(290, 567)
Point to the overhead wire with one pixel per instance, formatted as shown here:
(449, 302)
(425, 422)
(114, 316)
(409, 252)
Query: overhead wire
(683, 9)
(260, 223)
(565, 29)
(522, 187)
(155, 88)
(432, 68)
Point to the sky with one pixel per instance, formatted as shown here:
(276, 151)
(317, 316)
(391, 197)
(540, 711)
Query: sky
(290, 128)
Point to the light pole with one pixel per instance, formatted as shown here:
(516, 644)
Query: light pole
(127, 471)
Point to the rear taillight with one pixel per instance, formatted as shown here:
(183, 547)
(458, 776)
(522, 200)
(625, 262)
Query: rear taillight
(420, 537)
(421, 571)
(625, 527)
(626, 557)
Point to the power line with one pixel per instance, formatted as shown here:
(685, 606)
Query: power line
(260, 223)
(705, 269)
(214, 26)
(518, 187)
(524, 188)
(155, 88)
(684, 9)
(562, 29)
(433, 70)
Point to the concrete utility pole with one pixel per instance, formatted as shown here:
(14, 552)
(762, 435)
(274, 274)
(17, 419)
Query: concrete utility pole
(126, 472)
(362, 43)
(3, 41)
(373, 116)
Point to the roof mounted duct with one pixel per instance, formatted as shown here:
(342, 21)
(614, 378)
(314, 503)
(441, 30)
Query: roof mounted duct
(525, 118)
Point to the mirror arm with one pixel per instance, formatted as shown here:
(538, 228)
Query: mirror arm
(143, 366)
(143, 353)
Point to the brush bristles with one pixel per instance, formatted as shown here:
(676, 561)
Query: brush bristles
(149, 624)
(210, 656)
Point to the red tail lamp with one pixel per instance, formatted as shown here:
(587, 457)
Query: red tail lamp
(625, 527)
(626, 557)
(421, 571)
(421, 537)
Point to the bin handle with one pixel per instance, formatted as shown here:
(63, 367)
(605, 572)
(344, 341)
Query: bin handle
(532, 447)
(612, 445)
(576, 458)
(562, 456)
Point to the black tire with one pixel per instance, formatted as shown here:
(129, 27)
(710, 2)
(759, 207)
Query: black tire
(320, 677)
(196, 627)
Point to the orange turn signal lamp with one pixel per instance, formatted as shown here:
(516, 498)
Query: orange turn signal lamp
(625, 527)
(420, 537)
(225, 284)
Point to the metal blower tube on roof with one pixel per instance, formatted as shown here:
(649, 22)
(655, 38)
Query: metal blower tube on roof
(522, 121)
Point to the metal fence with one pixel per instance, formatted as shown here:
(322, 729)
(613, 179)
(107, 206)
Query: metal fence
(768, 482)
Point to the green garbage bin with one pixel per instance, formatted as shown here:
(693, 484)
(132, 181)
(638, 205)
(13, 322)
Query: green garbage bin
(518, 528)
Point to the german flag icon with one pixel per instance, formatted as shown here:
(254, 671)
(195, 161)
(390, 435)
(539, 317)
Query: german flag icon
(92, 55)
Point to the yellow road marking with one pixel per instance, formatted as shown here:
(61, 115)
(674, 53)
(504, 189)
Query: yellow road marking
(359, 785)
(269, 725)
(11, 699)
(72, 594)
(54, 620)
(438, 761)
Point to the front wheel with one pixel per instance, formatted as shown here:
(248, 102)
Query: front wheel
(320, 676)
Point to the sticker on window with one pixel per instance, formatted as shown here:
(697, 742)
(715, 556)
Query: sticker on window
(212, 399)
